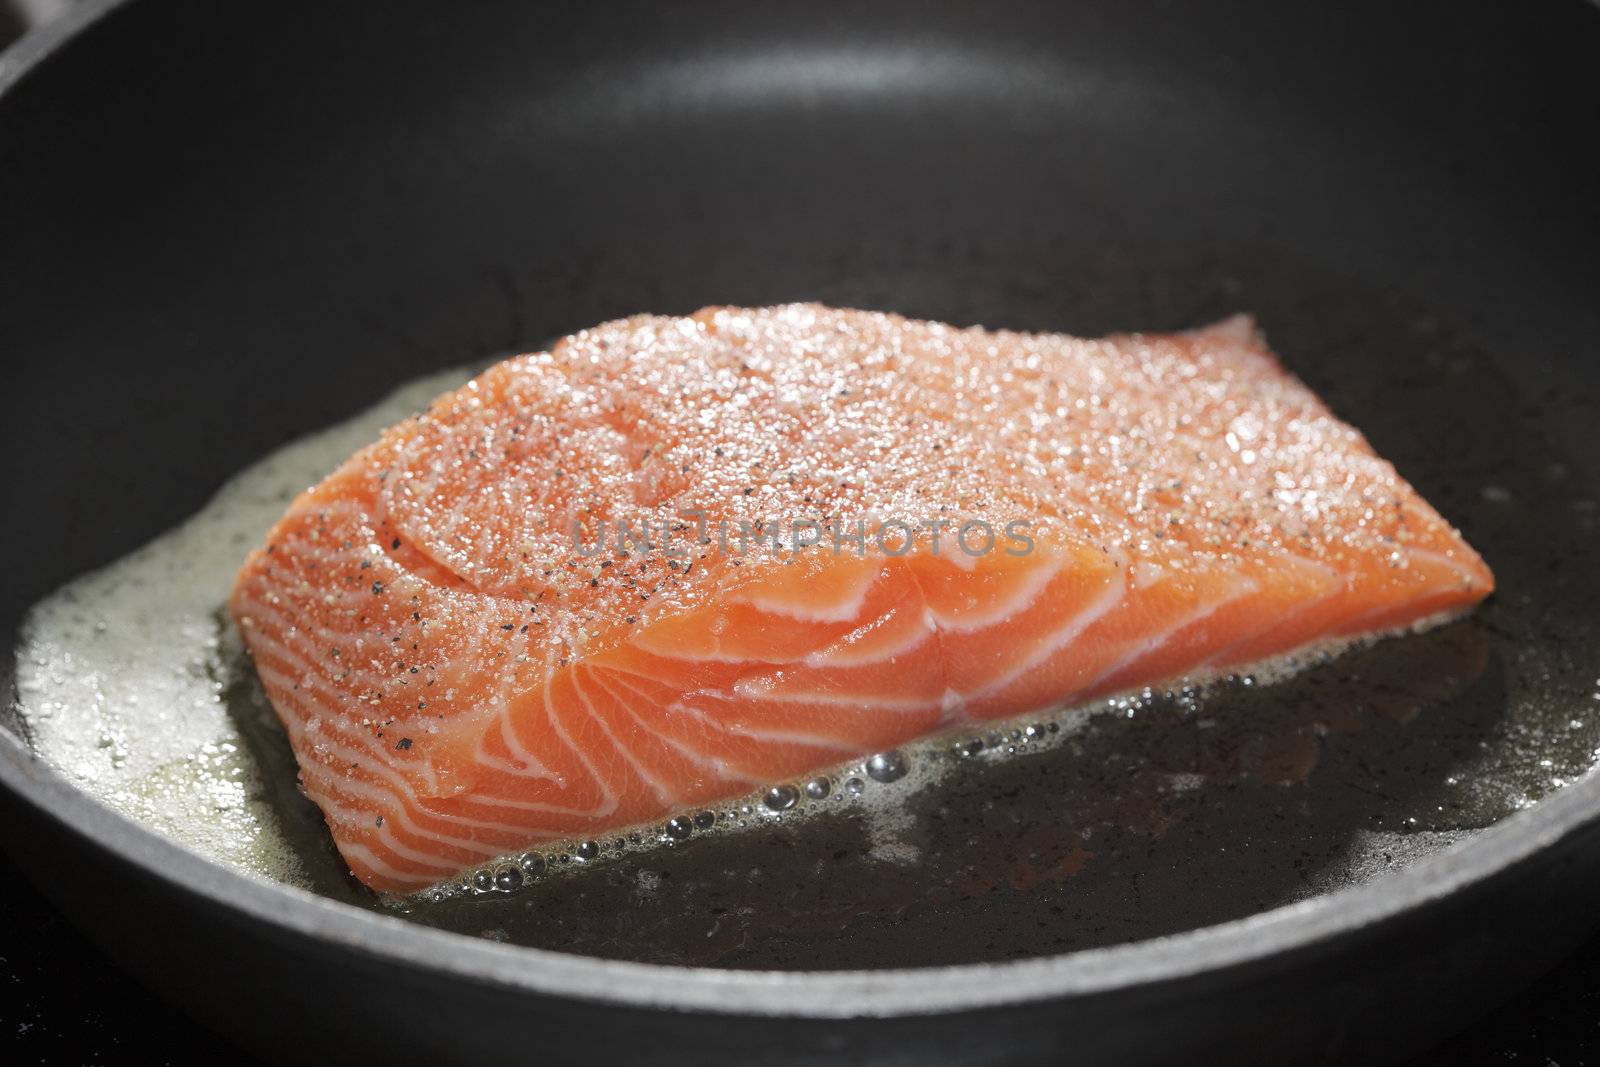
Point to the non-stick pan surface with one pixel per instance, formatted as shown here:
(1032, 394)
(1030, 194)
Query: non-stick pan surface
(222, 226)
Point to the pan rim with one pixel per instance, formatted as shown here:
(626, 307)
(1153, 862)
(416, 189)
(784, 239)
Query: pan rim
(1318, 921)
(39, 43)
(828, 994)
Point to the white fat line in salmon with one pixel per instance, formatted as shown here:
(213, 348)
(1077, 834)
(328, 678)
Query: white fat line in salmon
(677, 539)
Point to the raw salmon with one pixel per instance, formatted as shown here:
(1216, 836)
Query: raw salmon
(675, 559)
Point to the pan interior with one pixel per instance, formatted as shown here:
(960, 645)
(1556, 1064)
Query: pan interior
(1065, 831)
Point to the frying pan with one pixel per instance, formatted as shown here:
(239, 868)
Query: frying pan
(222, 226)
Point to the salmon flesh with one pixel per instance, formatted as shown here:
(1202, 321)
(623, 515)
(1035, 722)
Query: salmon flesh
(673, 560)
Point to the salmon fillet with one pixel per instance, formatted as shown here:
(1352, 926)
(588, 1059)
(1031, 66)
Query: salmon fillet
(676, 559)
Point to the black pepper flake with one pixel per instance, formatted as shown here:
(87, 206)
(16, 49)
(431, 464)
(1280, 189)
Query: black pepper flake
(395, 543)
(377, 588)
(403, 744)
(508, 626)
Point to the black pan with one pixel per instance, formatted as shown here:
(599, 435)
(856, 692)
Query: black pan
(204, 208)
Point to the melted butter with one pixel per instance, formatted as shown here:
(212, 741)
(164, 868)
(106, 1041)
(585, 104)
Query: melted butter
(123, 675)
